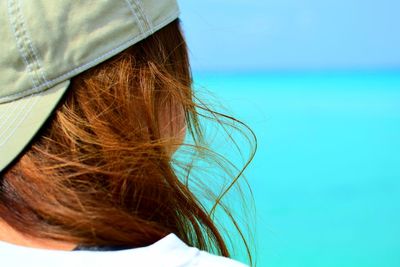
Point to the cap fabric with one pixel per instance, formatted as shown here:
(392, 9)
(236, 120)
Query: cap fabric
(44, 43)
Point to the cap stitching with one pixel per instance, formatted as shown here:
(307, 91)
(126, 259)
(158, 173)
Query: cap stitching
(140, 6)
(15, 28)
(135, 14)
(27, 112)
(60, 78)
(140, 13)
(5, 116)
(21, 108)
(29, 41)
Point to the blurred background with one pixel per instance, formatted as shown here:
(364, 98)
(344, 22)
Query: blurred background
(319, 83)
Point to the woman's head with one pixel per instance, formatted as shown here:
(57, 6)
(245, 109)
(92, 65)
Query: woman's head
(101, 170)
(102, 163)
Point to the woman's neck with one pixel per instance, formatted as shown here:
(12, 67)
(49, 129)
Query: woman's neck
(10, 235)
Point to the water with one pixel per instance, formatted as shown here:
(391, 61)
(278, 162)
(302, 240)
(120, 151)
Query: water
(326, 178)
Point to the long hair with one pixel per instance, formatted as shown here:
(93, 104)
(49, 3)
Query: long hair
(101, 171)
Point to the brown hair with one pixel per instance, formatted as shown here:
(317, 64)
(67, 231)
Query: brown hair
(101, 171)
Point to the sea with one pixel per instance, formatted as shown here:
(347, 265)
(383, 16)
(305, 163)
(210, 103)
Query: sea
(326, 175)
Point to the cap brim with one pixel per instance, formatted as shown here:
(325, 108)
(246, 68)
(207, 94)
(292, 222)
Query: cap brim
(20, 120)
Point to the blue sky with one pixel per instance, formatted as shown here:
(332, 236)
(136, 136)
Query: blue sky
(292, 35)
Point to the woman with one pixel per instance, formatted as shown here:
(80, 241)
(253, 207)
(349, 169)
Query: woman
(95, 98)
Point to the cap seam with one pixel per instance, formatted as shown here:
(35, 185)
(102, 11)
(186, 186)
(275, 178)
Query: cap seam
(92, 62)
(138, 12)
(14, 28)
(145, 17)
(25, 45)
(30, 42)
(135, 14)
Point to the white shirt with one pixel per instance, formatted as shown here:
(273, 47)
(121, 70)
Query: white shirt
(168, 252)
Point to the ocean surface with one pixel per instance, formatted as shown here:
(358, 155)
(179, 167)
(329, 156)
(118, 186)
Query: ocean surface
(326, 177)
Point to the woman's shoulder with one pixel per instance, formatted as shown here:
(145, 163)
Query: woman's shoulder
(177, 253)
(167, 252)
(208, 260)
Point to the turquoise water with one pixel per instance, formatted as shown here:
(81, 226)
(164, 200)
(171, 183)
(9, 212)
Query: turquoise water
(326, 177)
